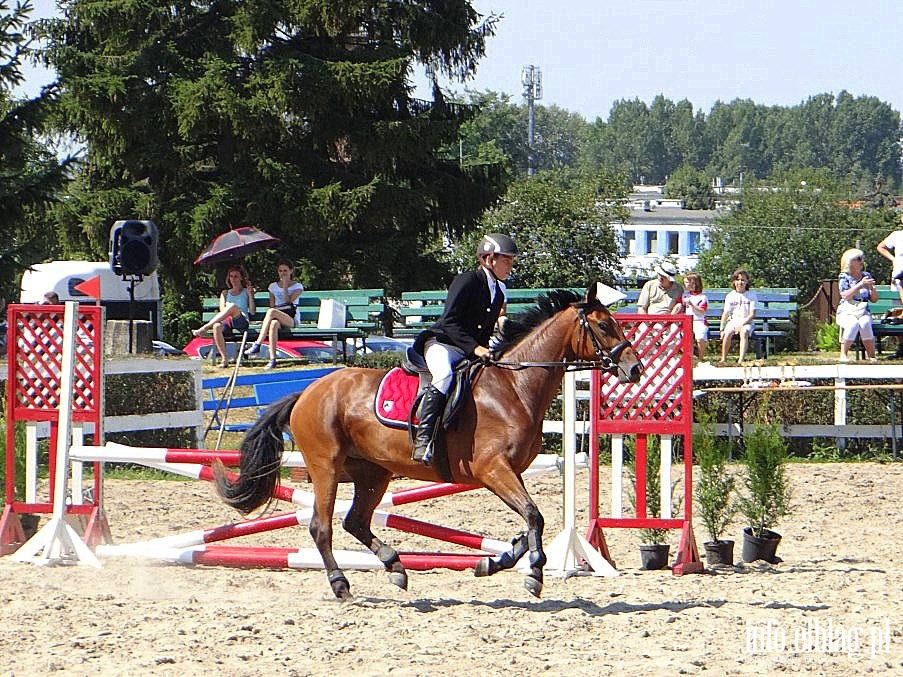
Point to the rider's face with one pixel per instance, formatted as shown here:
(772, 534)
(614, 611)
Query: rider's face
(501, 265)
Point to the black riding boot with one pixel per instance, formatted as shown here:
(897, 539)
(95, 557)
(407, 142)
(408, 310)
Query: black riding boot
(430, 413)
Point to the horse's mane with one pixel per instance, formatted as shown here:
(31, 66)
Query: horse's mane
(518, 326)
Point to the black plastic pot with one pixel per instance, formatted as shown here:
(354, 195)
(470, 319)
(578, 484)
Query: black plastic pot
(654, 556)
(29, 524)
(718, 553)
(761, 547)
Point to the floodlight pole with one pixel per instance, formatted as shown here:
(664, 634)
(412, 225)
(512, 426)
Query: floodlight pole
(531, 79)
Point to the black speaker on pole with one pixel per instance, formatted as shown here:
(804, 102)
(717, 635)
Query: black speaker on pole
(133, 247)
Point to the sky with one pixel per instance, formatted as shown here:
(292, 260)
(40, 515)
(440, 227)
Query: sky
(593, 53)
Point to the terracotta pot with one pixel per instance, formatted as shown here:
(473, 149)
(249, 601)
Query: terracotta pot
(654, 556)
(719, 553)
(761, 547)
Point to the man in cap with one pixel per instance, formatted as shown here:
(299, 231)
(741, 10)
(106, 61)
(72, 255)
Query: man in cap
(662, 294)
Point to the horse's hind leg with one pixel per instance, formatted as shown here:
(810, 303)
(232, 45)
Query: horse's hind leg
(325, 481)
(370, 484)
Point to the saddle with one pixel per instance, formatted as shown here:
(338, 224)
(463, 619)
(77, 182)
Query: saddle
(400, 391)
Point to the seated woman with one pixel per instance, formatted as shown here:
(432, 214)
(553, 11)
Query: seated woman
(737, 318)
(282, 312)
(236, 305)
(857, 288)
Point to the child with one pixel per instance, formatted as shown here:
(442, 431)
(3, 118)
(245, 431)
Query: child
(696, 304)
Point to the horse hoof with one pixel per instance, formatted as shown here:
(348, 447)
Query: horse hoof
(482, 567)
(341, 589)
(533, 586)
(399, 579)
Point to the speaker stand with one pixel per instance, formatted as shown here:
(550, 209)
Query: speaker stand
(132, 280)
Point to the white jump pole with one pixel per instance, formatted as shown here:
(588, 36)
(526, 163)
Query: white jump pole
(569, 547)
(58, 542)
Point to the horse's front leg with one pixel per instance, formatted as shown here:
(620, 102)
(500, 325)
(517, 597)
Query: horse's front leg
(519, 501)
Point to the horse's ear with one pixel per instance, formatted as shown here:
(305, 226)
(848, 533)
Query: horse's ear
(590, 294)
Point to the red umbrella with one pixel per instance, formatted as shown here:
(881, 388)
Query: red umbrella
(235, 244)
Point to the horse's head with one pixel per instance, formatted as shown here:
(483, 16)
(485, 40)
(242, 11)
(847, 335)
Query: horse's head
(601, 339)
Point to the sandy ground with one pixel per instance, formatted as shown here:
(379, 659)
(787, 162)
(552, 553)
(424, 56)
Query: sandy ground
(841, 575)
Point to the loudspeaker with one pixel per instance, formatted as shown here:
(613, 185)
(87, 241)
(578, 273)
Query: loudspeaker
(133, 247)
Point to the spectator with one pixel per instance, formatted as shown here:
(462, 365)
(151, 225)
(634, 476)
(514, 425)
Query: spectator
(283, 311)
(695, 304)
(857, 288)
(51, 298)
(737, 318)
(891, 248)
(662, 294)
(236, 305)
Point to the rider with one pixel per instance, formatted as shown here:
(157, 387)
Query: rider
(472, 308)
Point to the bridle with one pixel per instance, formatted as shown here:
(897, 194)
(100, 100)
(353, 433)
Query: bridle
(607, 360)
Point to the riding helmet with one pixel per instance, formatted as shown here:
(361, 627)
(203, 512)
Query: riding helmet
(497, 243)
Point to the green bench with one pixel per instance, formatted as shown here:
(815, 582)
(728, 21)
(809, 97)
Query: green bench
(420, 309)
(364, 309)
(775, 314)
(887, 298)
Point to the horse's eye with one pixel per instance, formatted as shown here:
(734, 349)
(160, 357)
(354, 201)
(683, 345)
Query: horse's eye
(605, 327)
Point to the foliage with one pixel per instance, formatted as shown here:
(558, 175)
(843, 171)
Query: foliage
(766, 496)
(715, 487)
(499, 133)
(294, 117)
(30, 173)
(827, 337)
(692, 186)
(161, 392)
(791, 235)
(653, 486)
(561, 222)
(19, 458)
(385, 359)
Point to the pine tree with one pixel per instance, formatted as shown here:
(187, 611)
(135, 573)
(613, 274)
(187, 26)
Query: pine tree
(29, 173)
(293, 117)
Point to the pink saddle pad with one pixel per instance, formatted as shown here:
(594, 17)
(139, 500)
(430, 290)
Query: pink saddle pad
(394, 398)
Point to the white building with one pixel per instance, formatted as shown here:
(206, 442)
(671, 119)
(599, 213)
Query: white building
(660, 227)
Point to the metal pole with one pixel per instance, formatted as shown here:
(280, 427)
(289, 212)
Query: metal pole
(531, 79)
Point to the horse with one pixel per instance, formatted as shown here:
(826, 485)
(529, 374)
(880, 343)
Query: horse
(497, 436)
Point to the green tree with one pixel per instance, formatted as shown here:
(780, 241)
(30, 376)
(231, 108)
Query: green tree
(791, 233)
(30, 174)
(295, 117)
(562, 223)
(692, 186)
(498, 131)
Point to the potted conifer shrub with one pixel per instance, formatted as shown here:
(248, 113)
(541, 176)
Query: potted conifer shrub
(714, 490)
(765, 498)
(654, 549)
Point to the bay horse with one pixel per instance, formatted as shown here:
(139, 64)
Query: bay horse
(497, 436)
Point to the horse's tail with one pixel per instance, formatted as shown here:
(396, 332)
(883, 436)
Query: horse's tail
(261, 458)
